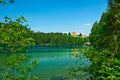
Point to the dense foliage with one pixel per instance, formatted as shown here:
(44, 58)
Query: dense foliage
(57, 39)
(5, 2)
(105, 38)
(14, 37)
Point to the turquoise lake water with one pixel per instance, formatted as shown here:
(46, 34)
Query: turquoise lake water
(56, 63)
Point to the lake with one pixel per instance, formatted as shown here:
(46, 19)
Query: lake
(57, 63)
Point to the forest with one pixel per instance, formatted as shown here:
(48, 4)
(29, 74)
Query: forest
(57, 39)
(105, 39)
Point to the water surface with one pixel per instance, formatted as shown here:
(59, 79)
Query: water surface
(57, 62)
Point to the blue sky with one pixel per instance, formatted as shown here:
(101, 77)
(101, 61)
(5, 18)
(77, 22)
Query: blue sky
(57, 15)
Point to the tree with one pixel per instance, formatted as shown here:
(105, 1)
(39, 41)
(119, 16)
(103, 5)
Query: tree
(57, 39)
(108, 28)
(4, 2)
(94, 33)
(105, 52)
(14, 37)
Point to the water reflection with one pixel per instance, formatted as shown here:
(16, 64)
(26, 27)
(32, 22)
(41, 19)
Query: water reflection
(57, 63)
(75, 53)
